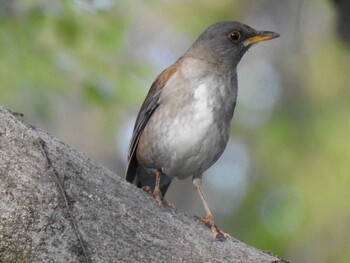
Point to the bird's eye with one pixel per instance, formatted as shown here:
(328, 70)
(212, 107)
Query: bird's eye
(234, 36)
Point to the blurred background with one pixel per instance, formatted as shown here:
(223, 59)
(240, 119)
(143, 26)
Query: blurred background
(80, 69)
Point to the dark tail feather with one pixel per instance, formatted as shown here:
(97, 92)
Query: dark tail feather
(131, 170)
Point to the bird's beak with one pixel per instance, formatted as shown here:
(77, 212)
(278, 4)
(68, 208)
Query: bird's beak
(261, 36)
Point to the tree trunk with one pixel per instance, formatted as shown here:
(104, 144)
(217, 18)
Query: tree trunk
(57, 205)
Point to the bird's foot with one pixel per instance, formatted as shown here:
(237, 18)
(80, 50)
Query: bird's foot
(147, 189)
(157, 195)
(218, 234)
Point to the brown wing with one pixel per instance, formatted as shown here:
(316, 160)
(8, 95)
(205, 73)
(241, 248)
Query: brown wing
(148, 107)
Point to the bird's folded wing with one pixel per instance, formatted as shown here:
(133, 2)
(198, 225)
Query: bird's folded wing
(148, 107)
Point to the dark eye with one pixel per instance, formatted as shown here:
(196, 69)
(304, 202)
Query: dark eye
(234, 36)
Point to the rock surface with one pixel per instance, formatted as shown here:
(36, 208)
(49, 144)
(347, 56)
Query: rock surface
(57, 205)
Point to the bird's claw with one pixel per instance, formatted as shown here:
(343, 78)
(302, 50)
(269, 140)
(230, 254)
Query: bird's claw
(147, 189)
(157, 195)
(218, 234)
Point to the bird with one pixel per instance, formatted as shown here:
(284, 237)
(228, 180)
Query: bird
(183, 125)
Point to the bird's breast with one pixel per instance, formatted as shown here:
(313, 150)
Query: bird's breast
(189, 130)
(190, 123)
(186, 134)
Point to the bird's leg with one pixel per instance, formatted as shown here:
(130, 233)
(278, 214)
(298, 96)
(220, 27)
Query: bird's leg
(208, 218)
(157, 194)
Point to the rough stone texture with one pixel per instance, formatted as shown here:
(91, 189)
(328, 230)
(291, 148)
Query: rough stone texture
(57, 205)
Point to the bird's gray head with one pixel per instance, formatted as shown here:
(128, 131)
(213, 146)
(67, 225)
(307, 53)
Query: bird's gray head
(226, 42)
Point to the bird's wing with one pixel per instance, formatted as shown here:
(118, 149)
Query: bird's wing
(150, 104)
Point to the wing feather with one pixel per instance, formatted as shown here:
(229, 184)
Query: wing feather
(148, 107)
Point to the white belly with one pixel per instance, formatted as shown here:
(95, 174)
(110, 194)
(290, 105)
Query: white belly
(186, 136)
(192, 129)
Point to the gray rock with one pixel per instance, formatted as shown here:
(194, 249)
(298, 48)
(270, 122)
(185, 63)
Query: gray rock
(57, 205)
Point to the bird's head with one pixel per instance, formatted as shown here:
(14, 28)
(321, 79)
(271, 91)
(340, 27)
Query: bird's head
(226, 42)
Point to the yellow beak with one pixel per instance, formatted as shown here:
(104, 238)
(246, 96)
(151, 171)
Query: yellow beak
(261, 36)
